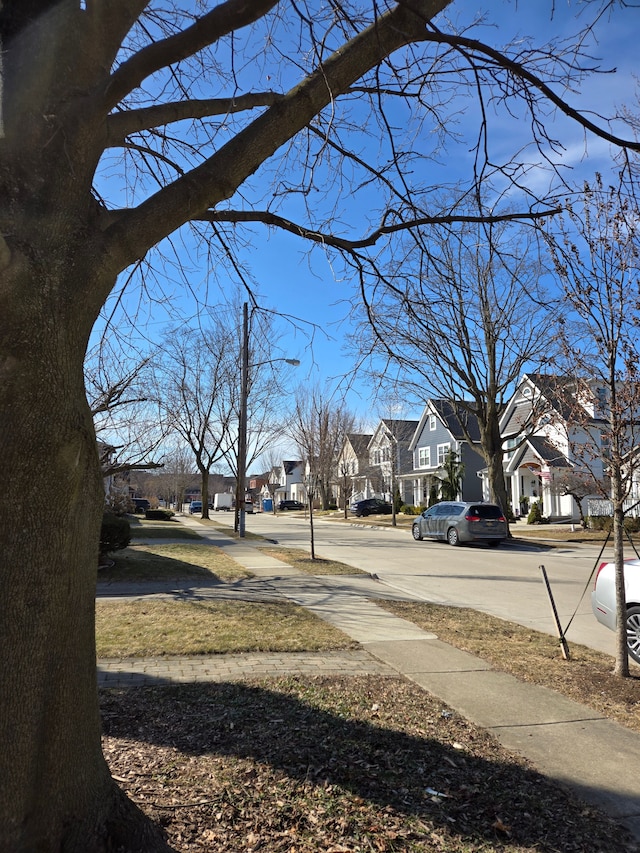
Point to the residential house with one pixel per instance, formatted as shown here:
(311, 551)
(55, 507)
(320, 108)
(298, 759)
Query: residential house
(549, 434)
(285, 482)
(390, 460)
(440, 430)
(257, 484)
(352, 468)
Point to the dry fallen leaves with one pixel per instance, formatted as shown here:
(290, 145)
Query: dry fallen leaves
(304, 765)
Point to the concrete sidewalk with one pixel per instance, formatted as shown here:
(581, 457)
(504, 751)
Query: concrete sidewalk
(567, 742)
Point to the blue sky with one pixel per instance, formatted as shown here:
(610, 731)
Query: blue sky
(304, 285)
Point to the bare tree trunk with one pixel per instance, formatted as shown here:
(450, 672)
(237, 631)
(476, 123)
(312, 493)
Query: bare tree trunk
(204, 490)
(492, 450)
(56, 791)
(622, 654)
(311, 530)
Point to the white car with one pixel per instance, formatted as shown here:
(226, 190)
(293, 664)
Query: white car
(603, 601)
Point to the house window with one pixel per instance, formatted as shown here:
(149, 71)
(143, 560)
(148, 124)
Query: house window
(508, 447)
(432, 422)
(375, 457)
(424, 457)
(601, 395)
(443, 449)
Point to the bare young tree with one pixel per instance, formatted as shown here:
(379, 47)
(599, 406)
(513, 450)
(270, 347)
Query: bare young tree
(119, 396)
(596, 249)
(257, 398)
(579, 485)
(460, 324)
(127, 122)
(319, 427)
(177, 474)
(193, 380)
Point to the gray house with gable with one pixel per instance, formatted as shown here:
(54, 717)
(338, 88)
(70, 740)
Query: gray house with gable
(440, 430)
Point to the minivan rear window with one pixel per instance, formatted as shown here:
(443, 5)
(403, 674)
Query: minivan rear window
(485, 511)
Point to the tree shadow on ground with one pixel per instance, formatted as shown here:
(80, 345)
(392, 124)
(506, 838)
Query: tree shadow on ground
(141, 566)
(379, 741)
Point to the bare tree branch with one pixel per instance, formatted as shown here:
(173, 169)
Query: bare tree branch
(225, 18)
(122, 124)
(327, 239)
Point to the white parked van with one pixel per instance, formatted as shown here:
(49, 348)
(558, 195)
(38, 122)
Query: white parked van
(223, 500)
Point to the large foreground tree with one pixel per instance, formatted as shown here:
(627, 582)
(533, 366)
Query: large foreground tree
(122, 122)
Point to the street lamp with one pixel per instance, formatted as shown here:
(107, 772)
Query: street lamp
(242, 424)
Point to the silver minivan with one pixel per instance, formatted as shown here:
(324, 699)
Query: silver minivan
(458, 521)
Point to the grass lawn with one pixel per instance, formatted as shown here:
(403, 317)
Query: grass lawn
(172, 560)
(152, 627)
(142, 528)
(302, 561)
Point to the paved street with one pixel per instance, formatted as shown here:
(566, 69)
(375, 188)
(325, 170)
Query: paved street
(505, 582)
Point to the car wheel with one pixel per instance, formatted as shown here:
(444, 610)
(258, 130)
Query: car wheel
(493, 543)
(633, 632)
(415, 530)
(452, 536)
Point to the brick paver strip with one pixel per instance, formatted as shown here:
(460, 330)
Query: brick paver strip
(130, 672)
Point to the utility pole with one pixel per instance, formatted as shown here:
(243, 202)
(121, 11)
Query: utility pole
(242, 425)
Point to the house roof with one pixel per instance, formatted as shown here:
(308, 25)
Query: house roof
(453, 415)
(548, 452)
(559, 391)
(359, 442)
(556, 390)
(401, 430)
(291, 465)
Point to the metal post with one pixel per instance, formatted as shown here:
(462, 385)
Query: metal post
(563, 640)
(242, 424)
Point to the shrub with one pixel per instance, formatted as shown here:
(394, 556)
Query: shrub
(535, 514)
(117, 504)
(159, 514)
(408, 509)
(115, 533)
(605, 522)
(599, 522)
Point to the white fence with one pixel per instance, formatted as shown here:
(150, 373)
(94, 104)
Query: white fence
(604, 507)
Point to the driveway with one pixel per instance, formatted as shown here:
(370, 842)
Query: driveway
(505, 582)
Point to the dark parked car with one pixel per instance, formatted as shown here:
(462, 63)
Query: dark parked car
(195, 506)
(370, 506)
(140, 504)
(286, 505)
(456, 522)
